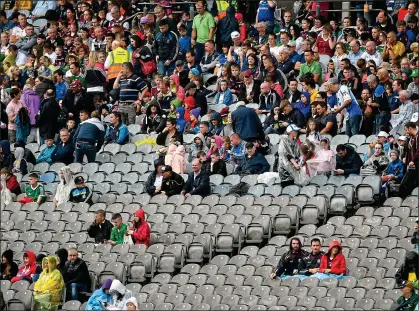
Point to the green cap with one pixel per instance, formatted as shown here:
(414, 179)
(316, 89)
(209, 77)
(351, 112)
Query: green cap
(415, 73)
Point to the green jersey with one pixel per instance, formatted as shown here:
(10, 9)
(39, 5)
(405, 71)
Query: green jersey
(117, 235)
(34, 193)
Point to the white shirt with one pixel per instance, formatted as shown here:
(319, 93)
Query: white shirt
(17, 31)
(20, 59)
(51, 56)
(42, 6)
(159, 181)
(376, 57)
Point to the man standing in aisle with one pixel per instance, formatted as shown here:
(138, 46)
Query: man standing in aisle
(203, 29)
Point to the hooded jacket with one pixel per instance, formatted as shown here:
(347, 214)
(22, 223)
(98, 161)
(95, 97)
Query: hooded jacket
(154, 123)
(20, 165)
(351, 163)
(141, 233)
(100, 297)
(62, 195)
(121, 292)
(6, 157)
(305, 109)
(337, 265)
(289, 262)
(410, 265)
(173, 185)
(193, 126)
(189, 103)
(180, 120)
(195, 148)
(8, 254)
(25, 272)
(62, 254)
(219, 128)
(90, 131)
(132, 300)
(227, 25)
(168, 159)
(76, 272)
(178, 162)
(32, 101)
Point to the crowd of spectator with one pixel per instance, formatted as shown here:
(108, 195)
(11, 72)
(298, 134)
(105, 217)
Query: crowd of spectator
(76, 76)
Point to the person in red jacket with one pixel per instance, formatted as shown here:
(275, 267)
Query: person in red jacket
(28, 269)
(333, 262)
(140, 230)
(242, 26)
(11, 181)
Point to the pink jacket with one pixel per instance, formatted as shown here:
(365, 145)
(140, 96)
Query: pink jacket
(168, 159)
(180, 91)
(178, 163)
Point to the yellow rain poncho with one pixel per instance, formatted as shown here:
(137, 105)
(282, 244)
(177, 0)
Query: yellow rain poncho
(49, 287)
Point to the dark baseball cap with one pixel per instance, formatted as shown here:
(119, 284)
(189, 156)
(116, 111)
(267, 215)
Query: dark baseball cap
(166, 168)
(249, 145)
(79, 180)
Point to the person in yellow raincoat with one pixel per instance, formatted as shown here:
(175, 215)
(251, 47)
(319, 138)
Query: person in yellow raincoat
(49, 287)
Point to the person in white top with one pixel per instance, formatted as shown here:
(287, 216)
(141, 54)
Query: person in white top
(372, 54)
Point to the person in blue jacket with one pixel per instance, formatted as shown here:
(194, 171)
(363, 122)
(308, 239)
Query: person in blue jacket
(100, 298)
(117, 132)
(253, 163)
(224, 96)
(394, 170)
(46, 154)
(216, 126)
(180, 119)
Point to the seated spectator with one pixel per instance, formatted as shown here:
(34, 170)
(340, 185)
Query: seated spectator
(64, 151)
(285, 158)
(131, 304)
(6, 157)
(118, 231)
(48, 289)
(238, 149)
(217, 165)
(304, 104)
(11, 181)
(409, 270)
(394, 170)
(310, 264)
(272, 122)
(312, 133)
(39, 269)
(140, 229)
(306, 153)
(27, 269)
(409, 299)
(101, 228)
(216, 144)
(75, 272)
(348, 161)
(117, 132)
(228, 126)
(180, 119)
(327, 121)
(382, 139)
(216, 126)
(178, 163)
(120, 295)
(198, 181)
(192, 127)
(168, 158)
(100, 297)
(34, 191)
(326, 157)
(172, 183)
(62, 258)
(169, 135)
(5, 194)
(62, 195)
(154, 121)
(268, 99)
(290, 115)
(8, 267)
(415, 237)
(253, 163)
(376, 164)
(81, 193)
(155, 179)
(333, 262)
(28, 156)
(46, 154)
(288, 263)
(198, 145)
(224, 95)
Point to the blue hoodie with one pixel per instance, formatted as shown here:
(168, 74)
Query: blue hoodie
(99, 297)
(227, 100)
(46, 155)
(180, 121)
(216, 130)
(305, 109)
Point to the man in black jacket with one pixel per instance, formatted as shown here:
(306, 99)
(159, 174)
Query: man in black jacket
(172, 182)
(253, 162)
(64, 151)
(101, 228)
(76, 275)
(289, 262)
(47, 117)
(290, 115)
(410, 265)
(167, 48)
(76, 100)
(200, 98)
(348, 161)
(311, 263)
(169, 135)
(198, 181)
(293, 95)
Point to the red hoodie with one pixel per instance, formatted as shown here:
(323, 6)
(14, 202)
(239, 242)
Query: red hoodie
(25, 272)
(337, 264)
(141, 234)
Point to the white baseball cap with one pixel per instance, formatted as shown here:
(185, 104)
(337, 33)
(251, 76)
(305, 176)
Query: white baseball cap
(292, 128)
(235, 35)
(382, 134)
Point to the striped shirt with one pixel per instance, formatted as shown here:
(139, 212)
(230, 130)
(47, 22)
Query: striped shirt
(130, 87)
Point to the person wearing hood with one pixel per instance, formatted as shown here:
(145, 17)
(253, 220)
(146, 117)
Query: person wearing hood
(200, 98)
(189, 104)
(62, 257)
(48, 289)
(32, 102)
(64, 151)
(101, 298)
(8, 267)
(89, 138)
(20, 165)
(154, 120)
(168, 159)
(348, 161)
(131, 304)
(6, 157)
(192, 127)
(304, 104)
(226, 25)
(155, 179)
(288, 263)
(409, 270)
(140, 229)
(178, 162)
(198, 145)
(5, 194)
(62, 195)
(180, 119)
(216, 126)
(27, 269)
(48, 115)
(172, 183)
(409, 299)
(333, 262)
(120, 294)
(76, 274)
(175, 87)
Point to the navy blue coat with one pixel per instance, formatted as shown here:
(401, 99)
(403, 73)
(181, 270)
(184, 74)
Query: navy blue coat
(247, 124)
(200, 185)
(257, 164)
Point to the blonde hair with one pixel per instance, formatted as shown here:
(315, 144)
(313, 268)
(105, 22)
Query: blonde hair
(93, 59)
